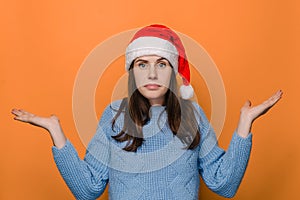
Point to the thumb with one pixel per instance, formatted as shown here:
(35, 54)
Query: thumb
(247, 104)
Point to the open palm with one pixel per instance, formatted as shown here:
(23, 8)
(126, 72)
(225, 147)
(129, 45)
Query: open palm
(44, 122)
(254, 112)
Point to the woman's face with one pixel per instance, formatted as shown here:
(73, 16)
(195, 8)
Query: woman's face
(152, 76)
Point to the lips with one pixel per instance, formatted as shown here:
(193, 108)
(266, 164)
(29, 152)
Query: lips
(152, 86)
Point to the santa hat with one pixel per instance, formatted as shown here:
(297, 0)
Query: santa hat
(161, 41)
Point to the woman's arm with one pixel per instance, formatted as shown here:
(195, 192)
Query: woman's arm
(223, 171)
(86, 178)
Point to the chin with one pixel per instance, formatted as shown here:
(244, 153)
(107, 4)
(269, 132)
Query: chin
(154, 95)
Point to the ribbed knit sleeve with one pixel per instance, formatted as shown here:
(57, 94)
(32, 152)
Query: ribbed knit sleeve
(86, 178)
(222, 171)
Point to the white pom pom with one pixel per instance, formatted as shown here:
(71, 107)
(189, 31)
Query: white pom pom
(186, 91)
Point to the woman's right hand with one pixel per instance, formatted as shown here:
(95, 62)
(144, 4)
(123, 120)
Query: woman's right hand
(51, 124)
(44, 122)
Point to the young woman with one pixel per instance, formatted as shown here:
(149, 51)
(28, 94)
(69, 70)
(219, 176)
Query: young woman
(154, 143)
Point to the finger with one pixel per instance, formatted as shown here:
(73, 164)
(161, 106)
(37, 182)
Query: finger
(17, 118)
(20, 118)
(247, 104)
(280, 93)
(16, 112)
(54, 116)
(273, 99)
(276, 96)
(25, 112)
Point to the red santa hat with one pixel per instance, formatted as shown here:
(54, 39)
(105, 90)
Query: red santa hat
(161, 41)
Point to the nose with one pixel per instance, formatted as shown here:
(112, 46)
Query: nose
(152, 73)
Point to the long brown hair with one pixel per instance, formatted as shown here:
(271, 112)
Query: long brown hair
(180, 112)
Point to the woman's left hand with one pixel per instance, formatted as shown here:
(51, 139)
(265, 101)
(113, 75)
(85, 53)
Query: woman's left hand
(249, 114)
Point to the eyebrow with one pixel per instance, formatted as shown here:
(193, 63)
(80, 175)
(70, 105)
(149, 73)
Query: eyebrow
(160, 59)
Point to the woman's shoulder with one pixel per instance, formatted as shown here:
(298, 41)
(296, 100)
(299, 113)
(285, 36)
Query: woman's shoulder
(197, 108)
(114, 106)
(200, 114)
(112, 109)
(110, 112)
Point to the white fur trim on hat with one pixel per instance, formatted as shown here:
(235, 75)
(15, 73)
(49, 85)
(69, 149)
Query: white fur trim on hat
(186, 91)
(148, 45)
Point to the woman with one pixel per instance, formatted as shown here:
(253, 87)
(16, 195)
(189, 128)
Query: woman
(154, 143)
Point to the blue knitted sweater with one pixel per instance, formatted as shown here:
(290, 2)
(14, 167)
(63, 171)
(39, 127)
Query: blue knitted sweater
(160, 169)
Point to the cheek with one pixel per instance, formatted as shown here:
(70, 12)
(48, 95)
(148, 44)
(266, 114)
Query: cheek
(139, 78)
(165, 79)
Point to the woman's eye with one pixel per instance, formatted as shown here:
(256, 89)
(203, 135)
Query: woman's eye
(142, 65)
(161, 65)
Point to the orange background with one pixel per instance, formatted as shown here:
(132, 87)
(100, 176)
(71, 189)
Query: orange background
(253, 43)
